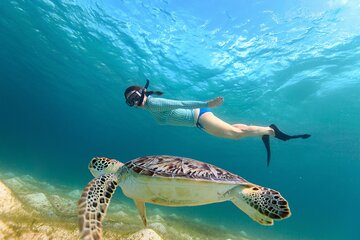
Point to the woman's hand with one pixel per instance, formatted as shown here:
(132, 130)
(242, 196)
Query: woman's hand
(215, 102)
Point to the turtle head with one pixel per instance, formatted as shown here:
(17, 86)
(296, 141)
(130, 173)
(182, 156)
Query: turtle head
(101, 165)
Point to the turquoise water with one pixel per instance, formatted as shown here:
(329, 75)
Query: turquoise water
(65, 64)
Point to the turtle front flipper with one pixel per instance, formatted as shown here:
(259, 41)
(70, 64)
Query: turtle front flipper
(262, 204)
(92, 205)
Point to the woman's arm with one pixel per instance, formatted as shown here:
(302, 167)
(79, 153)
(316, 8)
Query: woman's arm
(162, 104)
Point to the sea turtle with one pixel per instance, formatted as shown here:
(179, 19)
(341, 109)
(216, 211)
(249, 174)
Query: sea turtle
(172, 181)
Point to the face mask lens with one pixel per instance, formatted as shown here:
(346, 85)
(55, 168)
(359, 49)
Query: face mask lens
(130, 103)
(133, 98)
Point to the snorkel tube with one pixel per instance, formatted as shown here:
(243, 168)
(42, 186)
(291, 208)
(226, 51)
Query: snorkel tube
(143, 92)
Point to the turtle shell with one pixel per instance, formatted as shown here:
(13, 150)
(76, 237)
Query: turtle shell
(180, 167)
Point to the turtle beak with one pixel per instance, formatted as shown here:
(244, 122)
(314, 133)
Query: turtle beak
(92, 166)
(92, 162)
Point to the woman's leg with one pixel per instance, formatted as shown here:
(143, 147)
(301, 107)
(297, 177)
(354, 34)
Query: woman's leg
(255, 130)
(217, 127)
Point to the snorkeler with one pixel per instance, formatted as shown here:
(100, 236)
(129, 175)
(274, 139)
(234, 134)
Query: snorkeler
(198, 113)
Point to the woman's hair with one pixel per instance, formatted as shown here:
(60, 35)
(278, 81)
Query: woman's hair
(138, 88)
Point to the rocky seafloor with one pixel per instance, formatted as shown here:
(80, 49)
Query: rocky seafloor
(30, 209)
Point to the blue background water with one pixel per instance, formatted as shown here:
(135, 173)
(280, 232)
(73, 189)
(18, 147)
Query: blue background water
(65, 64)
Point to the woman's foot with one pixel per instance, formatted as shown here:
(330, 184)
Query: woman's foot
(283, 136)
(280, 135)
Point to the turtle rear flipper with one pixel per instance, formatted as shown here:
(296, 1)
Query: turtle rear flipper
(262, 204)
(93, 204)
(142, 210)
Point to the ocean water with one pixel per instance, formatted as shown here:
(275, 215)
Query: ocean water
(65, 64)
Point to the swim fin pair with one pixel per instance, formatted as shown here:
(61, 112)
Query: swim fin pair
(279, 135)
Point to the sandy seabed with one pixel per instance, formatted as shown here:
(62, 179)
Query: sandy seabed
(30, 209)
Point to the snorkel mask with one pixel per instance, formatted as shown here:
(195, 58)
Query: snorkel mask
(136, 97)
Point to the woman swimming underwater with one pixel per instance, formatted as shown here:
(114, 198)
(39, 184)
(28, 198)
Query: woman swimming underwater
(198, 113)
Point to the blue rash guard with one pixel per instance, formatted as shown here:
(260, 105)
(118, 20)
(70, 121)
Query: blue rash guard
(173, 112)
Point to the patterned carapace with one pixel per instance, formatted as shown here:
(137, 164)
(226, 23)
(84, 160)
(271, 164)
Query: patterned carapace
(169, 166)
